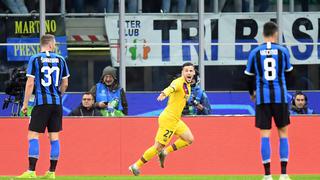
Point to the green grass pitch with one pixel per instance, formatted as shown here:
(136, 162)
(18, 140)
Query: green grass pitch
(180, 177)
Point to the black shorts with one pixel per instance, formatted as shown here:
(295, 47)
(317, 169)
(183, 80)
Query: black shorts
(265, 112)
(46, 115)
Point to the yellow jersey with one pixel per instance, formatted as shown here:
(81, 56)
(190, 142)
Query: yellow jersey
(178, 92)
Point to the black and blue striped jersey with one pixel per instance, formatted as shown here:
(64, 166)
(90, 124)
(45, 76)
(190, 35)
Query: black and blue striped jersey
(48, 69)
(268, 63)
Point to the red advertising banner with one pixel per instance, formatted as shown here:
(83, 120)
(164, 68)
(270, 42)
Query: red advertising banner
(107, 146)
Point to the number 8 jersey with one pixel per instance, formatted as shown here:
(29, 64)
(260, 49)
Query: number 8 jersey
(48, 69)
(268, 63)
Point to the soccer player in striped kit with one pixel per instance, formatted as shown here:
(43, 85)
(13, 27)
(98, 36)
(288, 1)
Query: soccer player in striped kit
(48, 75)
(268, 65)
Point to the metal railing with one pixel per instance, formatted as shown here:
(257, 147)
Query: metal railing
(121, 14)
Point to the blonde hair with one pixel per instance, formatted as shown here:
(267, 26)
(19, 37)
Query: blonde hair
(47, 39)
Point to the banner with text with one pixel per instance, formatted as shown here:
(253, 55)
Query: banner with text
(153, 40)
(20, 30)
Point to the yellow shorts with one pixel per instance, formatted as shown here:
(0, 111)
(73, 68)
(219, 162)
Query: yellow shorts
(168, 127)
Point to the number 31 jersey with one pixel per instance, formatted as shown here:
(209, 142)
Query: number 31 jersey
(47, 69)
(268, 63)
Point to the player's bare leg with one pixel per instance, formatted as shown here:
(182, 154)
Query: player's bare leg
(147, 156)
(184, 140)
(284, 152)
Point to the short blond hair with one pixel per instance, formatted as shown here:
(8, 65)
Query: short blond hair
(47, 39)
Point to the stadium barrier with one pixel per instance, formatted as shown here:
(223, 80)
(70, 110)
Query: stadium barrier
(222, 103)
(107, 146)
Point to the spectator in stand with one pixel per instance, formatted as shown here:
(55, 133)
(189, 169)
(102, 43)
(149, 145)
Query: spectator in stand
(110, 97)
(151, 6)
(76, 6)
(109, 5)
(223, 6)
(178, 6)
(237, 5)
(261, 5)
(132, 6)
(192, 6)
(52, 6)
(86, 107)
(16, 6)
(304, 5)
(299, 104)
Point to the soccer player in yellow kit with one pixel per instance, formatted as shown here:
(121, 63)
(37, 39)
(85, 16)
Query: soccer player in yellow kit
(170, 122)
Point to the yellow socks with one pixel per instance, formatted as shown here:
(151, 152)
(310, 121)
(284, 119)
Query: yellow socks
(152, 151)
(179, 144)
(147, 156)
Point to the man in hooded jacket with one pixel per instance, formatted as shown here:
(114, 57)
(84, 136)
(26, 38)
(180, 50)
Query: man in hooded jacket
(109, 96)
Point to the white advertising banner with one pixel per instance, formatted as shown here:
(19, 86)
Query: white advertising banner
(162, 40)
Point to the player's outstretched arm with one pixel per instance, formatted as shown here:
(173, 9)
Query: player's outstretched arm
(161, 96)
(166, 92)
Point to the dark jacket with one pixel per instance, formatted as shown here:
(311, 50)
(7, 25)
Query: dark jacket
(82, 111)
(294, 110)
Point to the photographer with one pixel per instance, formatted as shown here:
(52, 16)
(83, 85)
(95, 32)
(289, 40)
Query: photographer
(198, 103)
(300, 104)
(14, 87)
(110, 97)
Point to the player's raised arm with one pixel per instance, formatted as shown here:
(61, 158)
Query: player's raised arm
(167, 91)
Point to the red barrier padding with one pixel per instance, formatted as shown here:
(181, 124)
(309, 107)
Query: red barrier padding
(107, 146)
